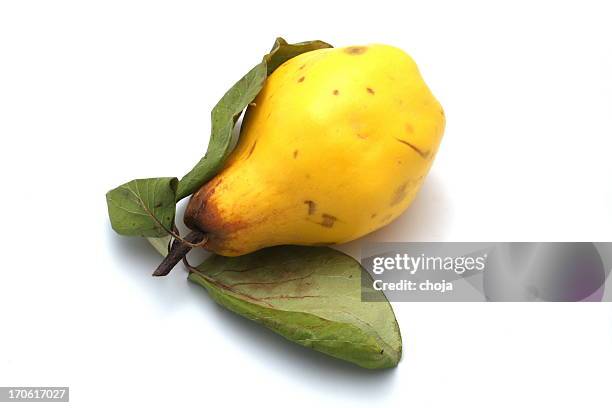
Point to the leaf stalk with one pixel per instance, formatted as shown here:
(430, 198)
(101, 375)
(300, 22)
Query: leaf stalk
(179, 249)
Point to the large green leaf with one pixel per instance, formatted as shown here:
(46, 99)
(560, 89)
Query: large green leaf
(310, 295)
(143, 207)
(228, 109)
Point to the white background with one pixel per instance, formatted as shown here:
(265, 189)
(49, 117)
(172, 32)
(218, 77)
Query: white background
(93, 94)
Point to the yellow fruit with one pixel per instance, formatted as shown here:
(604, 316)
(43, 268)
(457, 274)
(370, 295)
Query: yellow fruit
(335, 146)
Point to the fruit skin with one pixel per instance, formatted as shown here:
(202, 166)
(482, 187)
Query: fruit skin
(336, 145)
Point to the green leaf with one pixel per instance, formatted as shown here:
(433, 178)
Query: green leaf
(228, 110)
(143, 207)
(160, 244)
(283, 51)
(310, 295)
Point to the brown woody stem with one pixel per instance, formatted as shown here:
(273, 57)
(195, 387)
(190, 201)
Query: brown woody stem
(178, 251)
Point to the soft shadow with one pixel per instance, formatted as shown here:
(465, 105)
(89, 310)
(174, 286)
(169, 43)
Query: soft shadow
(135, 259)
(272, 349)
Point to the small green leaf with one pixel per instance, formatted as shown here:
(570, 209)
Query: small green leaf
(228, 110)
(143, 207)
(310, 295)
(283, 51)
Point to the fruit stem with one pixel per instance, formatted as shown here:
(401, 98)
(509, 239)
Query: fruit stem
(178, 251)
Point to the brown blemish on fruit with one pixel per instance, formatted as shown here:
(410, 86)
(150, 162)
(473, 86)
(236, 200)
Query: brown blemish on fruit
(301, 79)
(203, 214)
(399, 194)
(370, 91)
(312, 206)
(373, 215)
(328, 220)
(362, 136)
(302, 67)
(385, 218)
(409, 128)
(295, 154)
(336, 92)
(251, 151)
(355, 50)
(423, 154)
